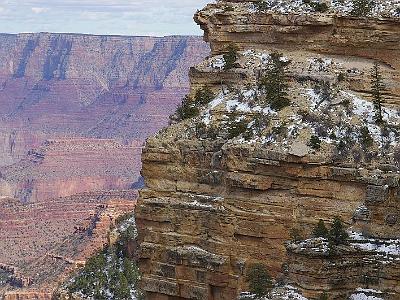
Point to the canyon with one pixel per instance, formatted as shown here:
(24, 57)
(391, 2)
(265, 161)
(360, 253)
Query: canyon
(70, 85)
(75, 111)
(227, 188)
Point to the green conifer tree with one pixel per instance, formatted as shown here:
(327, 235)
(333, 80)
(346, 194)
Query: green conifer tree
(320, 230)
(259, 280)
(274, 83)
(362, 8)
(230, 57)
(186, 110)
(337, 233)
(203, 96)
(377, 88)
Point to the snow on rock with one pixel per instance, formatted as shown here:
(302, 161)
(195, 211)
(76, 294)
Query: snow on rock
(389, 249)
(217, 62)
(389, 8)
(366, 294)
(313, 245)
(321, 64)
(286, 292)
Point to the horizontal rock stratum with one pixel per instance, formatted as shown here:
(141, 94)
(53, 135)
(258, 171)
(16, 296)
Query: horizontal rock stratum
(68, 85)
(228, 187)
(74, 112)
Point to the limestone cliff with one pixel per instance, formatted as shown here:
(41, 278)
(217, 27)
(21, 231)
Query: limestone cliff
(225, 187)
(69, 85)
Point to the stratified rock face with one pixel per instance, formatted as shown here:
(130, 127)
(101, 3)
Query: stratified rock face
(221, 197)
(61, 168)
(42, 242)
(74, 112)
(57, 85)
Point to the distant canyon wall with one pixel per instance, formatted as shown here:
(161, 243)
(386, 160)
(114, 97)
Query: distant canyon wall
(68, 85)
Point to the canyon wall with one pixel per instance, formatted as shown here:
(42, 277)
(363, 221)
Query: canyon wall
(61, 168)
(74, 113)
(68, 85)
(227, 189)
(43, 242)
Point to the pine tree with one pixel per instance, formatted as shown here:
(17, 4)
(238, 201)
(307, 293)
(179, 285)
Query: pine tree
(274, 83)
(338, 234)
(377, 88)
(320, 230)
(262, 5)
(186, 110)
(236, 125)
(230, 57)
(203, 96)
(259, 280)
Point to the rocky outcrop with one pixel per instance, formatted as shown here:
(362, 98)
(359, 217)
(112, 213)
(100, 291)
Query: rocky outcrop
(69, 85)
(60, 234)
(371, 264)
(227, 188)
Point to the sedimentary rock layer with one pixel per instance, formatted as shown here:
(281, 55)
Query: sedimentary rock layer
(61, 168)
(41, 243)
(68, 85)
(216, 205)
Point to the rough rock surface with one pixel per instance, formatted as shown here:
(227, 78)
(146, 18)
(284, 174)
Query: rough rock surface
(214, 205)
(42, 242)
(74, 112)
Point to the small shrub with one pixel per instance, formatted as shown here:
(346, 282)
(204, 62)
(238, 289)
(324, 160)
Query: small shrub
(377, 89)
(259, 280)
(187, 109)
(280, 130)
(236, 127)
(324, 90)
(203, 96)
(296, 235)
(366, 139)
(262, 5)
(315, 142)
(274, 83)
(261, 121)
(200, 129)
(320, 230)
(341, 77)
(319, 6)
(230, 57)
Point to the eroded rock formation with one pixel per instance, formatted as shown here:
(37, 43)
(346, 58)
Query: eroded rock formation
(42, 242)
(221, 197)
(61, 168)
(69, 85)
(74, 112)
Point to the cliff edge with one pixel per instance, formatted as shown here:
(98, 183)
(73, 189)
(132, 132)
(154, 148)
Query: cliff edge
(293, 119)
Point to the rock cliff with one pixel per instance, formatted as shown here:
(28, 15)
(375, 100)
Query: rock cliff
(43, 242)
(61, 168)
(74, 112)
(69, 85)
(227, 186)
